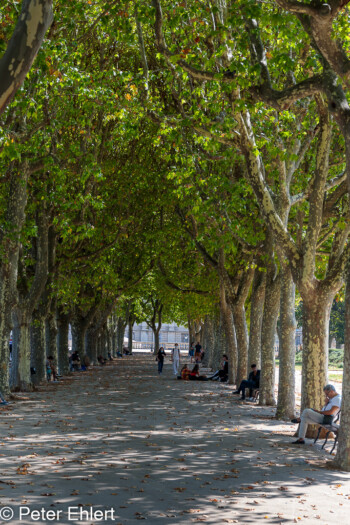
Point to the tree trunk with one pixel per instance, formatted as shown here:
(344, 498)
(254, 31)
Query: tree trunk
(35, 18)
(268, 334)
(120, 334)
(14, 219)
(342, 459)
(114, 335)
(286, 383)
(131, 326)
(78, 335)
(209, 339)
(219, 342)
(62, 342)
(316, 312)
(256, 317)
(242, 342)
(20, 378)
(191, 333)
(103, 338)
(230, 335)
(51, 337)
(37, 344)
(91, 344)
(156, 341)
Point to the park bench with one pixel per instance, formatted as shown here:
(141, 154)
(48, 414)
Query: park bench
(256, 393)
(332, 428)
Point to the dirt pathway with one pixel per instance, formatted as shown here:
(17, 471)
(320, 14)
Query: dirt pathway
(108, 446)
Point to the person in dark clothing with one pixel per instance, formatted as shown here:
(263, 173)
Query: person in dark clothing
(252, 382)
(221, 375)
(160, 358)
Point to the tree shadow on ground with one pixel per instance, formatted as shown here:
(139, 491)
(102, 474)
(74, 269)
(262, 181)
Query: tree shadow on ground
(162, 450)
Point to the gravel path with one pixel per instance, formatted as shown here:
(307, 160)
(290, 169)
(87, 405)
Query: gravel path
(119, 444)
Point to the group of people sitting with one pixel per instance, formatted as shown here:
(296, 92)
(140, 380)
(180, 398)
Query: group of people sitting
(194, 375)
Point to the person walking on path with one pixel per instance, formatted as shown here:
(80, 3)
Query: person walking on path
(191, 352)
(160, 358)
(312, 416)
(176, 359)
(252, 383)
(198, 353)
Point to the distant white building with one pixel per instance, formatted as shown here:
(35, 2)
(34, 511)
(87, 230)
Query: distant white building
(169, 333)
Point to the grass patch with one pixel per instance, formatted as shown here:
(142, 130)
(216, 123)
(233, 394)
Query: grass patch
(335, 361)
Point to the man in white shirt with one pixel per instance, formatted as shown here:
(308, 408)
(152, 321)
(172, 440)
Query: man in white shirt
(176, 359)
(312, 416)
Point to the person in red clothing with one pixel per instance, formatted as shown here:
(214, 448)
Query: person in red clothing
(185, 372)
(194, 374)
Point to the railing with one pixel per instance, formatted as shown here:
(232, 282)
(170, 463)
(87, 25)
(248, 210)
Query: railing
(139, 345)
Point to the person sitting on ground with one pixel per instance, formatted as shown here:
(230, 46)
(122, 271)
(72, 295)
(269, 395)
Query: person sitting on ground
(252, 383)
(101, 360)
(110, 356)
(51, 370)
(221, 375)
(185, 372)
(85, 362)
(194, 374)
(75, 361)
(312, 416)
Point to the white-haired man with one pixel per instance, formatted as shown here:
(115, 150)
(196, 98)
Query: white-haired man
(311, 416)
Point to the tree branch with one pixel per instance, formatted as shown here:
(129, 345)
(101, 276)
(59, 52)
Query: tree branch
(35, 18)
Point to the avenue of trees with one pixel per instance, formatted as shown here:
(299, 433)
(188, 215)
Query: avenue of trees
(176, 161)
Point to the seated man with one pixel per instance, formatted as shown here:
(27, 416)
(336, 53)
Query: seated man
(252, 383)
(222, 374)
(312, 416)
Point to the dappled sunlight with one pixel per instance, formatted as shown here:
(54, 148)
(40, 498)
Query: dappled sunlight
(159, 449)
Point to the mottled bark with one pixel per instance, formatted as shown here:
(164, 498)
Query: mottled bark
(80, 321)
(121, 325)
(114, 335)
(20, 377)
(256, 317)
(51, 337)
(219, 342)
(286, 383)
(208, 339)
(240, 324)
(62, 342)
(14, 218)
(78, 335)
(130, 327)
(29, 294)
(268, 334)
(316, 312)
(91, 344)
(35, 18)
(37, 345)
(342, 459)
(103, 342)
(191, 333)
(229, 334)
